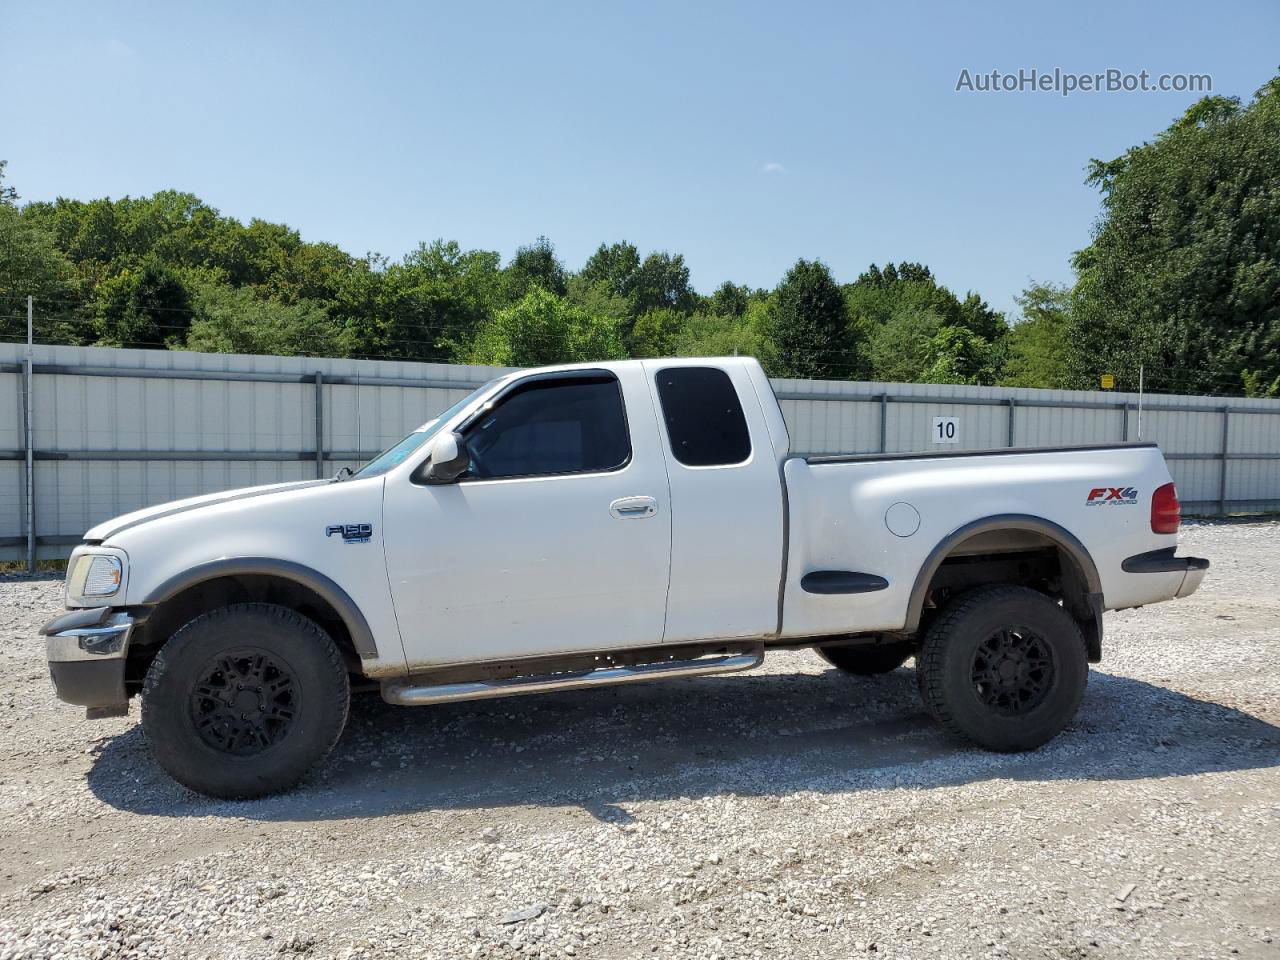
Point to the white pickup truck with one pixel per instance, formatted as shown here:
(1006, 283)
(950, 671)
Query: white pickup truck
(597, 524)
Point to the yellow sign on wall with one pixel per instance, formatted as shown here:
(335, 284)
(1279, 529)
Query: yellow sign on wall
(1108, 381)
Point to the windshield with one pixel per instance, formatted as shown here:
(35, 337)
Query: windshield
(395, 455)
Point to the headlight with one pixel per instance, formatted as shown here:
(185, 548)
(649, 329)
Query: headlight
(95, 576)
(103, 578)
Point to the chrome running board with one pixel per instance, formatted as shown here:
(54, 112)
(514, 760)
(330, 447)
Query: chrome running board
(408, 693)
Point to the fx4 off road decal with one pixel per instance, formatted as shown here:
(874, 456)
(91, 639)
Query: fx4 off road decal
(1112, 496)
(351, 532)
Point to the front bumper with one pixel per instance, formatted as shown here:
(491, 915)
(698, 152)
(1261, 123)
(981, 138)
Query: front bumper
(87, 650)
(1192, 569)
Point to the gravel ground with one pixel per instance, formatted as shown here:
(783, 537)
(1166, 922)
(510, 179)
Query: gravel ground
(792, 812)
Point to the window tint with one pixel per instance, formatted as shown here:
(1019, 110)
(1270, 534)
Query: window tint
(551, 426)
(704, 418)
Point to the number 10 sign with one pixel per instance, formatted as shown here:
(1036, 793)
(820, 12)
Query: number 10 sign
(945, 430)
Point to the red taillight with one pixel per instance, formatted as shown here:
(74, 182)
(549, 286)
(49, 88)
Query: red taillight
(1166, 512)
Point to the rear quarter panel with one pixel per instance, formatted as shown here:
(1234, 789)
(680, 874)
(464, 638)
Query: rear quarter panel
(838, 522)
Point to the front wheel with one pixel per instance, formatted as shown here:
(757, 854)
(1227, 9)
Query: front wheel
(243, 701)
(1003, 666)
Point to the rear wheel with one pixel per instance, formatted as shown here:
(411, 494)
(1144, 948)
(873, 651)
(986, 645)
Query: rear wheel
(1003, 666)
(867, 660)
(243, 701)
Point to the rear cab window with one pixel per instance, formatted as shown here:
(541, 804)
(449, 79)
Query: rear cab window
(703, 415)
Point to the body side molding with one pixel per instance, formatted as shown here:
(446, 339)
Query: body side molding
(327, 589)
(842, 581)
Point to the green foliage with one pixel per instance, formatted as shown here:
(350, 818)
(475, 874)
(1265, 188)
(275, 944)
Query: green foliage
(662, 283)
(32, 265)
(440, 294)
(613, 266)
(721, 335)
(902, 312)
(730, 300)
(144, 307)
(655, 332)
(1037, 344)
(806, 322)
(1254, 386)
(1183, 275)
(536, 266)
(902, 348)
(8, 195)
(958, 355)
(597, 298)
(544, 329)
(234, 320)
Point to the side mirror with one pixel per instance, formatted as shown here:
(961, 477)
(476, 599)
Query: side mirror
(449, 458)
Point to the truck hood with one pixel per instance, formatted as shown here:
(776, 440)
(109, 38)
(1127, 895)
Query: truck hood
(110, 528)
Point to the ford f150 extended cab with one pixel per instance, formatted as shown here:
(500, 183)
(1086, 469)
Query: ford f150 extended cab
(599, 524)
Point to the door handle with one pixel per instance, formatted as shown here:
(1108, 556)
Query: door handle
(633, 508)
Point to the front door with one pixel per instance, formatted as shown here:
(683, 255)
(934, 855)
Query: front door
(557, 538)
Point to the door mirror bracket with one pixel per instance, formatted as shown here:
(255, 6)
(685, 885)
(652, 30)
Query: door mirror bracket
(449, 459)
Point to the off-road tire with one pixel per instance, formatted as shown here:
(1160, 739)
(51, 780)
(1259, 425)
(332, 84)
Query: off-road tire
(316, 697)
(948, 666)
(867, 660)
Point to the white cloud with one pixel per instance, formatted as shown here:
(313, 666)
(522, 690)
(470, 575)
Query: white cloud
(772, 168)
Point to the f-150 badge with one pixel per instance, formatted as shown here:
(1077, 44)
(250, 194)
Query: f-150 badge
(351, 532)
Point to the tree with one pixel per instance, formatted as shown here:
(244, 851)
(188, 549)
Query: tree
(721, 335)
(8, 195)
(1183, 274)
(903, 348)
(807, 324)
(958, 355)
(904, 272)
(536, 265)
(544, 329)
(975, 316)
(1254, 386)
(655, 332)
(615, 267)
(312, 271)
(662, 283)
(1037, 344)
(233, 320)
(887, 306)
(145, 307)
(730, 300)
(426, 307)
(596, 298)
(169, 270)
(32, 265)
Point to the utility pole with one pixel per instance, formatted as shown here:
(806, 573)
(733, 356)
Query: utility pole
(31, 457)
(1141, 371)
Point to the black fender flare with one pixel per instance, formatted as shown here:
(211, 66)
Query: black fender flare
(1063, 538)
(323, 586)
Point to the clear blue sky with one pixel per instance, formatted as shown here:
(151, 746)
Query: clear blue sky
(741, 135)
